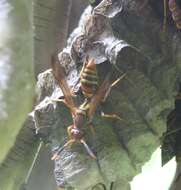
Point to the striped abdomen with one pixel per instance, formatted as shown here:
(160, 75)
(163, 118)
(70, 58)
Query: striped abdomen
(89, 79)
(176, 12)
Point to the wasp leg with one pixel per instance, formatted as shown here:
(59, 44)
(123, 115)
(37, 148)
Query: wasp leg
(89, 151)
(56, 156)
(111, 116)
(117, 80)
(63, 101)
(112, 85)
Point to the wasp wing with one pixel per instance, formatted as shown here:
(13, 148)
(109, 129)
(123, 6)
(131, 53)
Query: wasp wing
(59, 75)
(102, 93)
(99, 96)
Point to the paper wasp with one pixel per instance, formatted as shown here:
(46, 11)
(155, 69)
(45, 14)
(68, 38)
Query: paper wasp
(82, 115)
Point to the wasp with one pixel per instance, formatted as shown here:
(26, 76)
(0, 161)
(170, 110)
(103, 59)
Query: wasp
(82, 115)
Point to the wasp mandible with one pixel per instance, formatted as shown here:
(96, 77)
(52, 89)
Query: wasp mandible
(82, 115)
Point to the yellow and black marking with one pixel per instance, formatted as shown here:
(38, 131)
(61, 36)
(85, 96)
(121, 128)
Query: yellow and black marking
(89, 79)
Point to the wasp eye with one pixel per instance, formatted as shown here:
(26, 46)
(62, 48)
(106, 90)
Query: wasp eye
(75, 131)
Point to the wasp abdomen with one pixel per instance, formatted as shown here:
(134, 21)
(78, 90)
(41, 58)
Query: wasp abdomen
(89, 79)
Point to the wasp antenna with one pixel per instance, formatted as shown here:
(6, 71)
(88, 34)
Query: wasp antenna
(92, 155)
(56, 156)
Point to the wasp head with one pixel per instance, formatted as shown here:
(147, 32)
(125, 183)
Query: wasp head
(76, 133)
